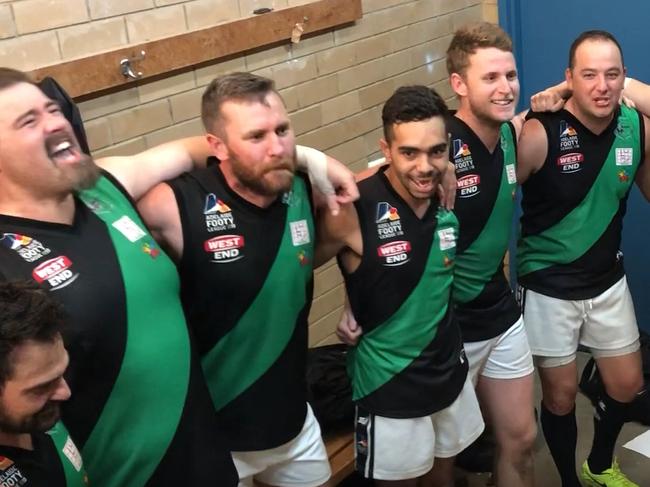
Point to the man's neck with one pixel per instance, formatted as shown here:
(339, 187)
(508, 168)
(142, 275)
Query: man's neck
(419, 206)
(250, 195)
(594, 124)
(18, 203)
(23, 441)
(488, 133)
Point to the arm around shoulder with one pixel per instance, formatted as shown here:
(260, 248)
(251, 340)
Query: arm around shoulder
(531, 149)
(336, 232)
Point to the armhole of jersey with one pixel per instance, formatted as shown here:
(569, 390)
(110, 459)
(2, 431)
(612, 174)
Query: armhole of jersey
(309, 189)
(642, 141)
(182, 211)
(513, 134)
(364, 246)
(126, 194)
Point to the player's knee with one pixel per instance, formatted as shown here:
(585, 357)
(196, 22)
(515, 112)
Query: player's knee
(519, 440)
(560, 397)
(625, 388)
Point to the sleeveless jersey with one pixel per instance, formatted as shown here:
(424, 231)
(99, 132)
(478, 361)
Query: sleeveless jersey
(409, 362)
(53, 461)
(573, 206)
(485, 201)
(246, 280)
(139, 410)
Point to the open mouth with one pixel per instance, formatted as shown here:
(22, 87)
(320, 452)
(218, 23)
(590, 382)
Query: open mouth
(62, 151)
(602, 102)
(503, 103)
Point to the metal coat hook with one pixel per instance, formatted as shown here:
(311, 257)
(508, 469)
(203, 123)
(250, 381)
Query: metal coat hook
(127, 70)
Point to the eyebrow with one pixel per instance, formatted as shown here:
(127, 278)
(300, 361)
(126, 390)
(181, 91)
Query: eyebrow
(34, 112)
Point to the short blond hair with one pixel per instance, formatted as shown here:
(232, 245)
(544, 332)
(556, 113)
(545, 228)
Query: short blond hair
(471, 37)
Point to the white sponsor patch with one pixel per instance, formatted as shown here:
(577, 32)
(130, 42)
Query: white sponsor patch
(299, 232)
(510, 172)
(624, 156)
(447, 238)
(71, 452)
(129, 229)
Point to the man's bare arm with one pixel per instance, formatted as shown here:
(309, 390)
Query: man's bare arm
(531, 150)
(160, 212)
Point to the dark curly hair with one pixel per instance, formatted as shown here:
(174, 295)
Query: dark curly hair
(411, 104)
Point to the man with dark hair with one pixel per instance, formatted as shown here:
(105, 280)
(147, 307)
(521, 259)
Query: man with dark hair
(35, 450)
(577, 167)
(483, 132)
(396, 249)
(242, 233)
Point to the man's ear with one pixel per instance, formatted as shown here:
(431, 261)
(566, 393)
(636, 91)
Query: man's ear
(385, 148)
(217, 146)
(568, 76)
(458, 84)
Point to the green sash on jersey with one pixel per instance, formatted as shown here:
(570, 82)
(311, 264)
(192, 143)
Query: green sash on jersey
(575, 234)
(73, 477)
(260, 336)
(142, 413)
(376, 359)
(477, 264)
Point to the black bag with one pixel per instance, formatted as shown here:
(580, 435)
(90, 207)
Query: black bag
(592, 386)
(329, 390)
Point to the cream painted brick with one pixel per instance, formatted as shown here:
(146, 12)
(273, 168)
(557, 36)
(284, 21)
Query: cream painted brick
(246, 7)
(7, 25)
(206, 74)
(444, 89)
(140, 120)
(92, 37)
(103, 105)
(105, 8)
(322, 329)
(349, 151)
(361, 164)
(30, 51)
(337, 133)
(293, 72)
(127, 148)
(310, 45)
(340, 107)
(166, 87)
(294, 3)
(267, 57)
(348, 55)
(186, 105)
(396, 63)
(324, 137)
(155, 24)
(361, 75)
(371, 5)
(306, 120)
(371, 141)
(491, 13)
(290, 98)
(98, 133)
(325, 303)
(162, 3)
(317, 90)
(376, 93)
(37, 15)
(178, 131)
(327, 280)
(331, 339)
(467, 15)
(324, 267)
(205, 13)
(429, 52)
(419, 76)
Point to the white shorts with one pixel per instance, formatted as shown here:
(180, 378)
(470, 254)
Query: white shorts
(506, 356)
(606, 324)
(301, 462)
(401, 449)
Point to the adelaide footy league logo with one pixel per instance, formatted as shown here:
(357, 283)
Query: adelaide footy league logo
(28, 248)
(218, 215)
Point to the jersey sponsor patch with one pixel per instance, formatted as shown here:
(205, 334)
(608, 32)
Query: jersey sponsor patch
(57, 272)
(218, 215)
(96, 206)
(10, 475)
(511, 174)
(469, 186)
(225, 248)
(394, 253)
(388, 221)
(462, 156)
(570, 163)
(129, 229)
(447, 238)
(151, 249)
(624, 156)
(568, 137)
(28, 248)
(299, 233)
(72, 454)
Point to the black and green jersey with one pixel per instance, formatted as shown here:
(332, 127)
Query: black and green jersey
(573, 206)
(53, 461)
(409, 361)
(246, 279)
(140, 411)
(485, 201)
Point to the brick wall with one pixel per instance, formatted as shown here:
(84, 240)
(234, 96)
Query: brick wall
(334, 84)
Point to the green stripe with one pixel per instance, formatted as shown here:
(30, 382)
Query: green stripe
(392, 346)
(476, 265)
(577, 232)
(141, 416)
(260, 336)
(73, 477)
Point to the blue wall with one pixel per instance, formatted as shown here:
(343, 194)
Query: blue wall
(542, 31)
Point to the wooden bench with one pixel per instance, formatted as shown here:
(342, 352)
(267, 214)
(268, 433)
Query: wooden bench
(340, 450)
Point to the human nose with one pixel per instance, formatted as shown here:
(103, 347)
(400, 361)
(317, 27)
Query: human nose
(62, 392)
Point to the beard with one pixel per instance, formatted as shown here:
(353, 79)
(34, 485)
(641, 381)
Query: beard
(38, 422)
(270, 181)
